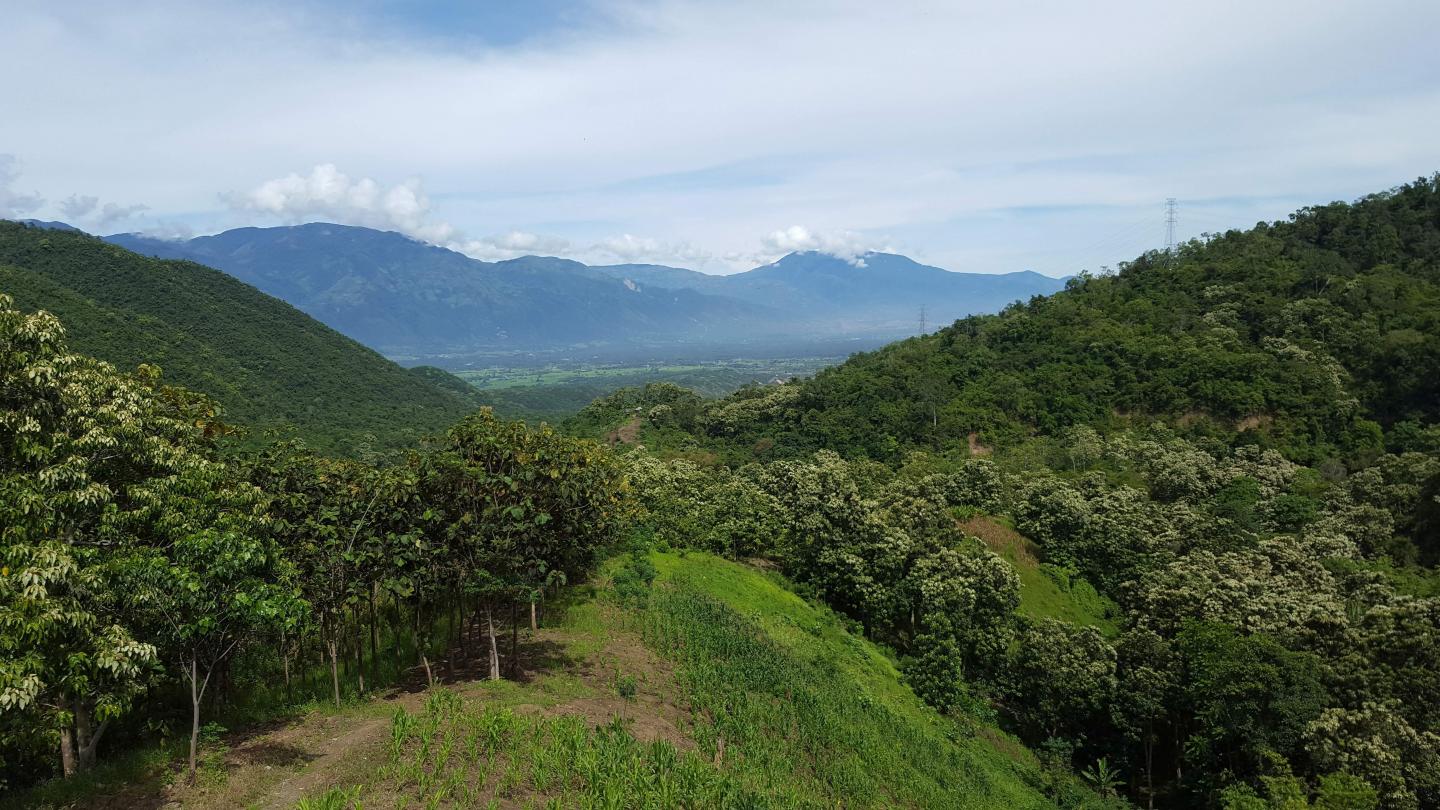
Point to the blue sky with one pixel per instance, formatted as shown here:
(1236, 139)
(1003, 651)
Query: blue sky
(976, 136)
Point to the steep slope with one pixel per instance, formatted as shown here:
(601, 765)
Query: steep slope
(1310, 335)
(406, 297)
(270, 366)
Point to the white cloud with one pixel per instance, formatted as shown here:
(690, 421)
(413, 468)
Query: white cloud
(14, 204)
(86, 209)
(631, 249)
(168, 229)
(510, 245)
(111, 213)
(77, 206)
(846, 245)
(977, 131)
(328, 194)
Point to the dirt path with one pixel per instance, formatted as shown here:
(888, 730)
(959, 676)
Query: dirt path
(627, 433)
(275, 767)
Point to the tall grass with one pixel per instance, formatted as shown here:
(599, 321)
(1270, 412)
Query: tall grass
(792, 723)
(457, 754)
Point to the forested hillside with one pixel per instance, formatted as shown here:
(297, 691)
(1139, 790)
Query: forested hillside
(151, 586)
(1312, 336)
(1175, 525)
(272, 367)
(1174, 530)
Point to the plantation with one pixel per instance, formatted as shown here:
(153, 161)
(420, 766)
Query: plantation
(789, 711)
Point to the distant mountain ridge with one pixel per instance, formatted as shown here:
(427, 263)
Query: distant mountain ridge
(403, 296)
(408, 298)
(270, 366)
(882, 288)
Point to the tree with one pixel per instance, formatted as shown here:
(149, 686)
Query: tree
(207, 577)
(1059, 678)
(1246, 696)
(78, 442)
(1147, 690)
(1375, 743)
(522, 509)
(968, 596)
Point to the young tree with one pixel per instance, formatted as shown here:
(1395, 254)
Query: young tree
(207, 576)
(521, 509)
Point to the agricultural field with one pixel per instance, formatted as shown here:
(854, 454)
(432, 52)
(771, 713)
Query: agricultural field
(554, 392)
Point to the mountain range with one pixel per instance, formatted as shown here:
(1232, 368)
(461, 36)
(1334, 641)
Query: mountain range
(271, 367)
(409, 299)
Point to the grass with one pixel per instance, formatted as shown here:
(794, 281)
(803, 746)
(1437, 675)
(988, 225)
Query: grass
(806, 714)
(766, 701)
(1046, 592)
(786, 709)
(455, 753)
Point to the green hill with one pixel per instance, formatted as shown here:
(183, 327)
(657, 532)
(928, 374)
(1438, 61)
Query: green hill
(270, 366)
(1311, 335)
(1214, 476)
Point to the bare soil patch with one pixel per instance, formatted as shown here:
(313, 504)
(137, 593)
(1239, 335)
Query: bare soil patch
(278, 765)
(1002, 540)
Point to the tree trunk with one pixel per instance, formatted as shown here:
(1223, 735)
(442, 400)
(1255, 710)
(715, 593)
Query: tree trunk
(398, 625)
(194, 717)
(422, 645)
(285, 662)
(67, 746)
(334, 668)
(359, 648)
(374, 628)
(494, 651)
(534, 624)
(87, 736)
(458, 623)
(1149, 766)
(514, 643)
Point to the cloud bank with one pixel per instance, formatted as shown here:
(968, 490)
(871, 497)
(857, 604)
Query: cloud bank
(330, 195)
(977, 136)
(846, 245)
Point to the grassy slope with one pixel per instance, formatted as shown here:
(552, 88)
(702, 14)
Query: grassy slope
(269, 365)
(825, 710)
(746, 696)
(1045, 592)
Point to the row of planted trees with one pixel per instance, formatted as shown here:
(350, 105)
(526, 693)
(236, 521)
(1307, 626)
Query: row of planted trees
(135, 558)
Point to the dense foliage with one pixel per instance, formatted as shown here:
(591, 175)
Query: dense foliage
(1237, 445)
(137, 564)
(1309, 336)
(274, 368)
(1174, 528)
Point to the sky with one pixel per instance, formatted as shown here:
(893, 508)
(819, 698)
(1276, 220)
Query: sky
(983, 137)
